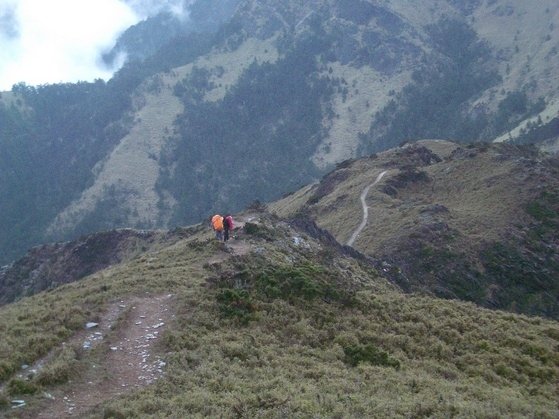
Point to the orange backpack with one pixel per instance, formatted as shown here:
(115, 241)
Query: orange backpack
(217, 222)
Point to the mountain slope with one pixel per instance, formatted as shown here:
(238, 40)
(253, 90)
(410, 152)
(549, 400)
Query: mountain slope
(276, 323)
(126, 179)
(144, 39)
(261, 97)
(49, 266)
(477, 223)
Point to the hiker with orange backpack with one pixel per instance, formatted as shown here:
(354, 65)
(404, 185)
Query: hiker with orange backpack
(217, 225)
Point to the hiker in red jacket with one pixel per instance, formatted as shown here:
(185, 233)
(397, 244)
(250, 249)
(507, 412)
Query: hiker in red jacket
(227, 226)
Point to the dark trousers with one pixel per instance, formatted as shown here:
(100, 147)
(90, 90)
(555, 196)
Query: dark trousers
(225, 234)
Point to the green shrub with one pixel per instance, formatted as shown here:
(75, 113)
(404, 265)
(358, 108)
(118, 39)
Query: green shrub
(111, 412)
(17, 387)
(251, 228)
(355, 354)
(197, 244)
(526, 283)
(176, 341)
(304, 281)
(6, 369)
(545, 209)
(236, 304)
(74, 318)
(540, 211)
(258, 230)
(505, 371)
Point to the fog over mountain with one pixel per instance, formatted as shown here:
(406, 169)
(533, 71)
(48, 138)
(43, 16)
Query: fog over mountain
(63, 40)
(146, 8)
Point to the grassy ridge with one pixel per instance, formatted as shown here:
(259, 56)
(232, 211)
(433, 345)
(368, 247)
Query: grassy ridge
(477, 223)
(35, 325)
(304, 351)
(292, 360)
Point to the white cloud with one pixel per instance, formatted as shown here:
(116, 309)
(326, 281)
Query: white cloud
(146, 8)
(59, 40)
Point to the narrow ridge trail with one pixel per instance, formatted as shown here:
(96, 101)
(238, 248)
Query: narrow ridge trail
(129, 362)
(363, 197)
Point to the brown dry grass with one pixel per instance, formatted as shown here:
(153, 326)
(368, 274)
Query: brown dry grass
(484, 195)
(290, 359)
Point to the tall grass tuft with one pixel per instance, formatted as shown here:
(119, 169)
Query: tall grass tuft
(64, 367)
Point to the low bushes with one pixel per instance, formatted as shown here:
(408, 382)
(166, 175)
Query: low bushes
(355, 354)
(240, 291)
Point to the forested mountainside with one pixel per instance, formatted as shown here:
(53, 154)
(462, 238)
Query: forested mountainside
(476, 222)
(247, 99)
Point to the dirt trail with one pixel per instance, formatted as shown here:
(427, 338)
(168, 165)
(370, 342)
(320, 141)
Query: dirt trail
(363, 198)
(128, 361)
(236, 245)
(119, 350)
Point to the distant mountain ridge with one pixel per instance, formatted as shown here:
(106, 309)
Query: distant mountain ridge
(144, 39)
(257, 98)
(50, 266)
(476, 222)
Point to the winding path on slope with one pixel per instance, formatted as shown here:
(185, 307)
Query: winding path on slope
(363, 197)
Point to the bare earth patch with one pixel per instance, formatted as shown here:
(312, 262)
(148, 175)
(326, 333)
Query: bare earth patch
(127, 359)
(236, 246)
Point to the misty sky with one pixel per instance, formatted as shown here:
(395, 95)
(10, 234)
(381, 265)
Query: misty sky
(51, 41)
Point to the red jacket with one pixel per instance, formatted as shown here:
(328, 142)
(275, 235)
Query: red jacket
(228, 223)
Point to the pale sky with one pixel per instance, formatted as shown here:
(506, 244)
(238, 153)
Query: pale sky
(52, 41)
